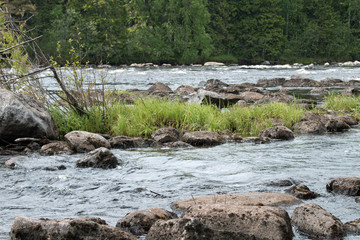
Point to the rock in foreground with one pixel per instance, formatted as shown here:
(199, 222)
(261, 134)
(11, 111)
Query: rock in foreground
(82, 141)
(99, 158)
(240, 199)
(22, 116)
(277, 132)
(302, 191)
(67, 229)
(203, 138)
(317, 222)
(224, 221)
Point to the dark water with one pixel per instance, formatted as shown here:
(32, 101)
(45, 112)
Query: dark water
(157, 177)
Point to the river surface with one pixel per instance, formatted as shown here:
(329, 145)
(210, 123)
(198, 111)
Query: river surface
(157, 177)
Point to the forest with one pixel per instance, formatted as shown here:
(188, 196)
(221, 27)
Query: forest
(193, 31)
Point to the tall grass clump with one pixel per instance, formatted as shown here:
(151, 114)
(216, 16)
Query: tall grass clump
(341, 102)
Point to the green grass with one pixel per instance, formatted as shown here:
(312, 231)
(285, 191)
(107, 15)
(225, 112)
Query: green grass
(147, 115)
(341, 102)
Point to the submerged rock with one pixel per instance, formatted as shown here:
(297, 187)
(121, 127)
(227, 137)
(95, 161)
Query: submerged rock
(302, 191)
(346, 186)
(99, 158)
(22, 116)
(140, 222)
(239, 199)
(277, 132)
(67, 229)
(318, 223)
(203, 138)
(82, 141)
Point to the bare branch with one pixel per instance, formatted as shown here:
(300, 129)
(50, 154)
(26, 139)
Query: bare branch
(20, 44)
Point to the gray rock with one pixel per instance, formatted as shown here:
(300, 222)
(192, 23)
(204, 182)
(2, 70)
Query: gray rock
(67, 229)
(319, 91)
(241, 103)
(166, 134)
(251, 97)
(336, 125)
(82, 141)
(182, 228)
(351, 91)
(350, 120)
(125, 142)
(357, 199)
(318, 223)
(203, 138)
(274, 82)
(56, 148)
(12, 162)
(353, 227)
(178, 144)
(298, 81)
(329, 82)
(140, 222)
(301, 191)
(159, 87)
(347, 186)
(277, 132)
(99, 158)
(22, 116)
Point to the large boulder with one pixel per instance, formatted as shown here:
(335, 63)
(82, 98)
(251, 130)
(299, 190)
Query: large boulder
(140, 222)
(302, 191)
(99, 158)
(82, 141)
(239, 199)
(166, 134)
(68, 229)
(203, 138)
(318, 223)
(54, 148)
(224, 221)
(277, 132)
(125, 142)
(346, 186)
(23, 116)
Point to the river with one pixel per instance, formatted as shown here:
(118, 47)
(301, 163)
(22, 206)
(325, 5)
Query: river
(156, 177)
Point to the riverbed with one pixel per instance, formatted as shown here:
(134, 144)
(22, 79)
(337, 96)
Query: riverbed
(153, 177)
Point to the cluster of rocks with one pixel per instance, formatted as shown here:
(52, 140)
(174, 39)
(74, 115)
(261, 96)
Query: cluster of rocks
(257, 215)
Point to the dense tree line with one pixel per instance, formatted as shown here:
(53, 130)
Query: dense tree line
(194, 31)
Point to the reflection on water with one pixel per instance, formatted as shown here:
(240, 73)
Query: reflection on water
(157, 177)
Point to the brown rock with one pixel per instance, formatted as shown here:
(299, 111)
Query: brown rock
(357, 199)
(140, 222)
(251, 97)
(99, 158)
(328, 82)
(203, 138)
(130, 142)
(82, 141)
(55, 148)
(336, 125)
(298, 81)
(302, 191)
(67, 229)
(274, 82)
(346, 186)
(312, 127)
(319, 90)
(158, 88)
(178, 144)
(240, 199)
(241, 103)
(316, 222)
(167, 134)
(350, 120)
(353, 227)
(351, 91)
(182, 228)
(277, 132)
(243, 222)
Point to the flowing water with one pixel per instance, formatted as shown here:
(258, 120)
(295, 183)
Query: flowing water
(156, 177)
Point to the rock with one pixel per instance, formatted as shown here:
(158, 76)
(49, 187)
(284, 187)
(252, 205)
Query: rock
(82, 141)
(312, 127)
(251, 97)
(214, 64)
(243, 222)
(329, 82)
(23, 116)
(302, 191)
(336, 125)
(347, 186)
(351, 91)
(99, 158)
(353, 227)
(159, 88)
(277, 132)
(239, 199)
(350, 120)
(231, 137)
(167, 134)
(354, 83)
(319, 90)
(239, 88)
(125, 142)
(140, 222)
(276, 97)
(179, 144)
(182, 228)
(68, 229)
(282, 183)
(203, 138)
(298, 81)
(56, 148)
(215, 85)
(318, 223)
(241, 103)
(266, 62)
(12, 162)
(185, 90)
(274, 82)
(357, 199)
(257, 140)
